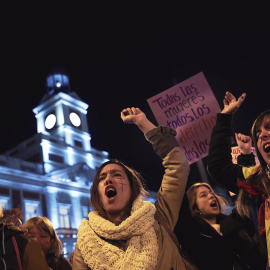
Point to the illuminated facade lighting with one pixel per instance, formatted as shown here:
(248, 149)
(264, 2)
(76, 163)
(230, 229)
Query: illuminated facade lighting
(51, 173)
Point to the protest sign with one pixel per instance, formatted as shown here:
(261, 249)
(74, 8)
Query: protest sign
(191, 108)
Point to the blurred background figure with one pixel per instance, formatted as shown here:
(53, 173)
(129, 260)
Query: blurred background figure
(41, 230)
(17, 251)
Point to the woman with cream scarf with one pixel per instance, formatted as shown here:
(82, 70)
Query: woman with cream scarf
(121, 232)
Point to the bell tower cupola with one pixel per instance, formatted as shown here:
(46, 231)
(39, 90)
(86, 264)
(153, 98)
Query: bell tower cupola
(57, 83)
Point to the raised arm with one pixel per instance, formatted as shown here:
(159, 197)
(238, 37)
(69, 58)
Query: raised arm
(162, 139)
(136, 116)
(246, 158)
(244, 142)
(220, 165)
(231, 104)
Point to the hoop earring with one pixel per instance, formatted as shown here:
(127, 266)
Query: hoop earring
(268, 171)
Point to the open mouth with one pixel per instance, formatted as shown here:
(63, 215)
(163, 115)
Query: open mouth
(266, 148)
(110, 192)
(213, 204)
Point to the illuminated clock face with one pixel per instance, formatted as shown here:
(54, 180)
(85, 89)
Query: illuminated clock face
(50, 121)
(75, 119)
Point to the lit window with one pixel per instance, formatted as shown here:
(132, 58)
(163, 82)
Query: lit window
(4, 202)
(64, 216)
(65, 248)
(85, 212)
(32, 209)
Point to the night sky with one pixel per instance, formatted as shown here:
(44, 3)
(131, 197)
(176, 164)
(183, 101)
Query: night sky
(118, 60)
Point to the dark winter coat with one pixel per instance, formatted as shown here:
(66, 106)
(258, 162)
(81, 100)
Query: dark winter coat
(212, 251)
(30, 253)
(224, 171)
(60, 263)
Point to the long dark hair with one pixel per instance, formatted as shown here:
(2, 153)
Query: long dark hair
(192, 198)
(259, 178)
(256, 125)
(136, 181)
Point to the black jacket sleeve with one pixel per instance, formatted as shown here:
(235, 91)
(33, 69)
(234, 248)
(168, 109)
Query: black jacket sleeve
(247, 160)
(220, 165)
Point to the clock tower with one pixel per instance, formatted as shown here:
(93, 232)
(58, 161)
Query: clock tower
(62, 121)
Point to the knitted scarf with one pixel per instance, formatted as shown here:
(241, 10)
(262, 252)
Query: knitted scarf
(137, 230)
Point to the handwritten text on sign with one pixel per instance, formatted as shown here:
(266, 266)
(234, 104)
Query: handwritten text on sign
(190, 108)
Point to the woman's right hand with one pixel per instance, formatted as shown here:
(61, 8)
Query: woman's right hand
(136, 116)
(132, 115)
(244, 142)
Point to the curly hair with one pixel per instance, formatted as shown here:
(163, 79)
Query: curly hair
(12, 216)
